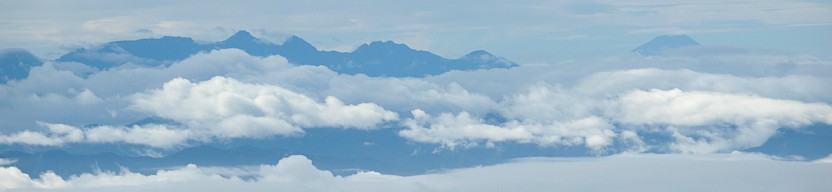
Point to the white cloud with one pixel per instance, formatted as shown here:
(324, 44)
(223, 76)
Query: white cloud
(244, 101)
(405, 94)
(792, 87)
(721, 122)
(153, 135)
(463, 129)
(697, 121)
(6, 161)
(266, 96)
(227, 104)
(827, 159)
(217, 108)
(58, 134)
(620, 173)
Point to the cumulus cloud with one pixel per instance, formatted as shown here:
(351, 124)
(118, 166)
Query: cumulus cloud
(827, 159)
(621, 172)
(405, 94)
(697, 121)
(227, 104)
(229, 94)
(721, 122)
(463, 129)
(154, 135)
(217, 108)
(222, 93)
(576, 90)
(6, 161)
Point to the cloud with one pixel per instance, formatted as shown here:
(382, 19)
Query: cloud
(406, 94)
(696, 121)
(227, 104)
(217, 108)
(226, 94)
(791, 87)
(719, 122)
(154, 135)
(6, 161)
(827, 159)
(463, 129)
(626, 172)
(57, 135)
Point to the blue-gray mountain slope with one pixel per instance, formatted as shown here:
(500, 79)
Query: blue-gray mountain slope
(379, 58)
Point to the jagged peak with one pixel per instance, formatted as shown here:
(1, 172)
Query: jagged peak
(382, 45)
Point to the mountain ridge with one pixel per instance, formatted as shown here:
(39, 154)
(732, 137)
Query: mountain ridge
(377, 58)
(15, 64)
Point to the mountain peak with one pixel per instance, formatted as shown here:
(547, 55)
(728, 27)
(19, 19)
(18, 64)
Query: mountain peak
(13, 51)
(382, 46)
(662, 43)
(296, 43)
(484, 59)
(15, 64)
(477, 53)
(241, 35)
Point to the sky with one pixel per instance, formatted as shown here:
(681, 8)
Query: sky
(524, 31)
(749, 109)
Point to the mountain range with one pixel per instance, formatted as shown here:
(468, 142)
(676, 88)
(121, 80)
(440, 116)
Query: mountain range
(378, 58)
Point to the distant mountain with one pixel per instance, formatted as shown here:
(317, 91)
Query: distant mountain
(661, 44)
(379, 58)
(15, 64)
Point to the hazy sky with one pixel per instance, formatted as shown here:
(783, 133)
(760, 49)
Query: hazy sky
(524, 31)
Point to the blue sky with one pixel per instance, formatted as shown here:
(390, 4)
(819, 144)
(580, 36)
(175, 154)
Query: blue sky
(748, 109)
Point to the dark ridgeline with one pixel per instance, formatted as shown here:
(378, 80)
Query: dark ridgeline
(378, 58)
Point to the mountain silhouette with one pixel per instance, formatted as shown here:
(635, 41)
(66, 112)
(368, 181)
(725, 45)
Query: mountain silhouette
(661, 44)
(15, 64)
(378, 58)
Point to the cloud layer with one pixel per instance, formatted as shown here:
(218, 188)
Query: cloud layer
(644, 172)
(600, 104)
(217, 108)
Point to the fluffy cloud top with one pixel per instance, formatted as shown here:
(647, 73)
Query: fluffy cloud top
(228, 104)
(463, 129)
(597, 103)
(621, 173)
(720, 122)
(154, 135)
(698, 121)
(217, 108)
